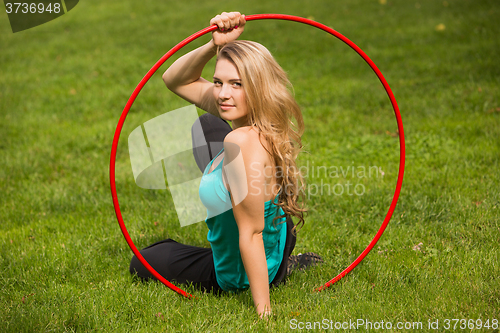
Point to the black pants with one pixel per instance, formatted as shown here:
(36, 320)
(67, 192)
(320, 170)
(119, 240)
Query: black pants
(188, 264)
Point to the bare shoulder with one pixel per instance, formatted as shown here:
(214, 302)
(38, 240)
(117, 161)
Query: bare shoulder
(245, 139)
(244, 135)
(252, 162)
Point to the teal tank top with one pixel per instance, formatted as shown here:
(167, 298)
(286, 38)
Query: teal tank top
(224, 237)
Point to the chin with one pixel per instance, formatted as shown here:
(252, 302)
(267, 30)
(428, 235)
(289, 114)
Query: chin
(223, 116)
(226, 116)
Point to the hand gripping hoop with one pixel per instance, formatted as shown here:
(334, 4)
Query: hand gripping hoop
(210, 29)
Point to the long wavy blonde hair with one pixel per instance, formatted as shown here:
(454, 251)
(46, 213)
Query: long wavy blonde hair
(276, 114)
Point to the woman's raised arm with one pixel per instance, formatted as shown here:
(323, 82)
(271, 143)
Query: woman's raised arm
(183, 77)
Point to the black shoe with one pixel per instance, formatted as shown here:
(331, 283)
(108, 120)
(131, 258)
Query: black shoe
(302, 261)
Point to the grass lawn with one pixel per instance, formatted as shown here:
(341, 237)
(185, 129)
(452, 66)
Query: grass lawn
(64, 84)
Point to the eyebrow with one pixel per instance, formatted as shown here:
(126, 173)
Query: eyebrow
(232, 80)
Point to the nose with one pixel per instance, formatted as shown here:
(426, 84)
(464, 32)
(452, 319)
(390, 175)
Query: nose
(224, 92)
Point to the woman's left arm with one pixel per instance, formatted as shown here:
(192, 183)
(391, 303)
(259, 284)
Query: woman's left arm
(244, 170)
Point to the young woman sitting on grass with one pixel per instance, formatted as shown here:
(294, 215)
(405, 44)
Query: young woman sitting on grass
(250, 185)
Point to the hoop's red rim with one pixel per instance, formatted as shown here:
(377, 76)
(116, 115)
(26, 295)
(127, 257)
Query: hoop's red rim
(210, 29)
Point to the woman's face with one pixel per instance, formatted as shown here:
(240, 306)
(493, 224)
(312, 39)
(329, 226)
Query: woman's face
(229, 93)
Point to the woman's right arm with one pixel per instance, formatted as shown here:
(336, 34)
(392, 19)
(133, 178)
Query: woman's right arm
(183, 77)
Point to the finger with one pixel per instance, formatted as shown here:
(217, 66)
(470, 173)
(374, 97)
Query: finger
(242, 21)
(234, 18)
(226, 20)
(231, 20)
(220, 21)
(217, 20)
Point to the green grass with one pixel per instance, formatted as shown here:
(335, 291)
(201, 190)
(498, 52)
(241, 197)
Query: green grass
(63, 85)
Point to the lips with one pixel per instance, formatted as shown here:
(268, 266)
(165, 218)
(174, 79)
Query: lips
(226, 107)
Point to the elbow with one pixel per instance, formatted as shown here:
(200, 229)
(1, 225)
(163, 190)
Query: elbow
(167, 79)
(250, 240)
(170, 80)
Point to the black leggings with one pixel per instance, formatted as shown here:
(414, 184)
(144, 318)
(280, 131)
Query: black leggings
(188, 264)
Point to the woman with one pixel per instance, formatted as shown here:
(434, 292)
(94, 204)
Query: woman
(252, 184)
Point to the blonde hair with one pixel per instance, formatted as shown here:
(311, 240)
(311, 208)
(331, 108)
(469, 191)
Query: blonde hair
(276, 114)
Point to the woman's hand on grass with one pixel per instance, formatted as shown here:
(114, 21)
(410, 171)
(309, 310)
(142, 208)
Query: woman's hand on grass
(231, 26)
(265, 314)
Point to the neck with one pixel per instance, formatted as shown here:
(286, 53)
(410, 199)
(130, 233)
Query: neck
(240, 122)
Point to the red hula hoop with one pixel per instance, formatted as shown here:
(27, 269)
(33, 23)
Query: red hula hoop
(210, 29)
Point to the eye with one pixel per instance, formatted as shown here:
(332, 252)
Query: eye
(217, 83)
(237, 84)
